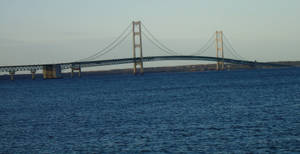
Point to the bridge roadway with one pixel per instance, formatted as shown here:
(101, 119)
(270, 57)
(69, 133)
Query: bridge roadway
(131, 60)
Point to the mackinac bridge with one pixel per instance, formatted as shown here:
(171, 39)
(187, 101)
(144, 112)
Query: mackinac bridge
(138, 32)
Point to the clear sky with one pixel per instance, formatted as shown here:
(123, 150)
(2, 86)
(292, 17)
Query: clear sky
(46, 31)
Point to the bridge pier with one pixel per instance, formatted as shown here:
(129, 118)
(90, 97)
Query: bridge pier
(52, 71)
(11, 73)
(254, 66)
(228, 66)
(33, 74)
(73, 69)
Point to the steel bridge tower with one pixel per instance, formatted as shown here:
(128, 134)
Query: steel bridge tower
(137, 43)
(219, 47)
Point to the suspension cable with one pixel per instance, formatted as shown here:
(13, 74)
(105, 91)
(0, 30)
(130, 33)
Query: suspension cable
(113, 47)
(231, 53)
(108, 46)
(230, 45)
(158, 42)
(205, 47)
(154, 43)
(204, 51)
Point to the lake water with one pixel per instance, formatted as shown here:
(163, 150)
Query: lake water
(248, 111)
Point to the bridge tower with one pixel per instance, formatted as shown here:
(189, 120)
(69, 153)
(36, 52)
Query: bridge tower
(137, 45)
(219, 47)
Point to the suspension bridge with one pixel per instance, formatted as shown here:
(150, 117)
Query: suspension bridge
(134, 29)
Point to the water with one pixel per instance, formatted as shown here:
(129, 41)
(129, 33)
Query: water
(232, 111)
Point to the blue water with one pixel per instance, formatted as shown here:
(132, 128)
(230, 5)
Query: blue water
(250, 111)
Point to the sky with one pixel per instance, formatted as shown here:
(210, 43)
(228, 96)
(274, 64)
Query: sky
(51, 31)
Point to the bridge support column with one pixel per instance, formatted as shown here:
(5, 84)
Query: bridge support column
(228, 67)
(52, 71)
(33, 74)
(79, 72)
(72, 72)
(220, 53)
(75, 68)
(254, 66)
(137, 37)
(11, 73)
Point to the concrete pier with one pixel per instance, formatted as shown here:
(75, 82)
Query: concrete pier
(11, 73)
(74, 69)
(52, 71)
(33, 74)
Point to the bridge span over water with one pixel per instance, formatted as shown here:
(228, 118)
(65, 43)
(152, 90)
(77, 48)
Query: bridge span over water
(82, 64)
(54, 70)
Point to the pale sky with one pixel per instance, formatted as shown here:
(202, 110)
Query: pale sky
(50, 31)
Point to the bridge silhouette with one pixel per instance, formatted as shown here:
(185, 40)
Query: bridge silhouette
(54, 70)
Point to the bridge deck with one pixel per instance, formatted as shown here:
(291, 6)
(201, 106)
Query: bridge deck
(131, 60)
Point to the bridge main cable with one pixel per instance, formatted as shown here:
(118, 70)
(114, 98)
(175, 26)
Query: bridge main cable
(109, 47)
(205, 47)
(232, 50)
(169, 51)
(157, 43)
